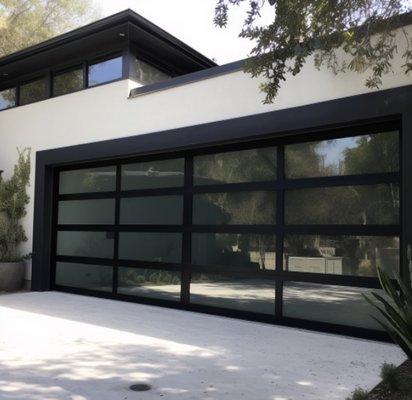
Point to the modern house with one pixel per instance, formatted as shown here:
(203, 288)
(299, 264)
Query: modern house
(160, 177)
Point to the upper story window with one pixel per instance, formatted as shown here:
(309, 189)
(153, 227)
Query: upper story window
(146, 74)
(68, 82)
(7, 98)
(105, 71)
(33, 91)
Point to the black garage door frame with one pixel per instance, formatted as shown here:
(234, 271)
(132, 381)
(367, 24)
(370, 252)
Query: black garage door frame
(385, 108)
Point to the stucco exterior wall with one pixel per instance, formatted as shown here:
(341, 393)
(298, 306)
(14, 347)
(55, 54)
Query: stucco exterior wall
(106, 112)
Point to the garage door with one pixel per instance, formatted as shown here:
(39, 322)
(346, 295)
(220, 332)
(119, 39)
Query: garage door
(279, 230)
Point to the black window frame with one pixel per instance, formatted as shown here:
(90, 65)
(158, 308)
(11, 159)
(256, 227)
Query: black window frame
(101, 59)
(279, 276)
(41, 77)
(16, 95)
(54, 74)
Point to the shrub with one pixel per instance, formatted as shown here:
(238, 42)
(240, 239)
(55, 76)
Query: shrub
(389, 376)
(358, 394)
(13, 202)
(395, 311)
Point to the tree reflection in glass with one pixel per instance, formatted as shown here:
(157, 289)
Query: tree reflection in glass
(365, 154)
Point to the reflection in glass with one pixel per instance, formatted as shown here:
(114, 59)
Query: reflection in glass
(85, 244)
(147, 74)
(341, 255)
(163, 210)
(342, 305)
(357, 205)
(253, 165)
(33, 91)
(151, 246)
(105, 71)
(248, 251)
(84, 276)
(68, 82)
(7, 98)
(153, 174)
(86, 212)
(347, 156)
(102, 179)
(254, 207)
(233, 292)
(152, 283)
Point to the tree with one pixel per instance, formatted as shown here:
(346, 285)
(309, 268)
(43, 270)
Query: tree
(362, 29)
(26, 22)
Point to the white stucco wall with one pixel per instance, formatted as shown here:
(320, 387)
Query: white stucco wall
(106, 112)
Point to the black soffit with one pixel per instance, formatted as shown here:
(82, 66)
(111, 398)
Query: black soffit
(114, 33)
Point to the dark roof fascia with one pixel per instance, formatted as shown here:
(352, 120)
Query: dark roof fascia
(103, 24)
(188, 78)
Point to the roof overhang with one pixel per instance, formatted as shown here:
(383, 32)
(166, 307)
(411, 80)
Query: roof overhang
(111, 34)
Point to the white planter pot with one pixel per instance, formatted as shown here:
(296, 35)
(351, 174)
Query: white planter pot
(12, 276)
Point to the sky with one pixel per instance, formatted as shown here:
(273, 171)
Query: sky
(192, 22)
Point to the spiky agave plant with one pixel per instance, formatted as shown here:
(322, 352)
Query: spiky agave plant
(395, 313)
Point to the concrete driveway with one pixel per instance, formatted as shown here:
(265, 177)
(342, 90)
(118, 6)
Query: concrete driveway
(62, 346)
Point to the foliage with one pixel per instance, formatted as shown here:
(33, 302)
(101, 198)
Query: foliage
(358, 394)
(362, 29)
(13, 202)
(395, 312)
(389, 376)
(26, 22)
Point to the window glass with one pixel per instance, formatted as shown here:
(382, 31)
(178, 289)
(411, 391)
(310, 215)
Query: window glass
(151, 283)
(85, 244)
(86, 212)
(341, 255)
(234, 292)
(105, 71)
(68, 82)
(248, 251)
(163, 210)
(347, 156)
(7, 98)
(253, 165)
(102, 179)
(147, 74)
(84, 276)
(33, 91)
(350, 205)
(153, 174)
(151, 246)
(254, 207)
(342, 305)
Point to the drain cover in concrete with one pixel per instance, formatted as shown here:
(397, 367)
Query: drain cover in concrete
(140, 387)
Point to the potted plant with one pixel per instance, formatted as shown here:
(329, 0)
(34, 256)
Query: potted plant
(13, 202)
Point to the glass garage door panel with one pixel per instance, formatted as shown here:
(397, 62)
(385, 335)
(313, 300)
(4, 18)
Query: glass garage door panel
(153, 174)
(88, 180)
(344, 205)
(240, 293)
(254, 165)
(84, 276)
(235, 208)
(354, 155)
(230, 250)
(151, 246)
(342, 305)
(152, 283)
(152, 210)
(87, 212)
(85, 244)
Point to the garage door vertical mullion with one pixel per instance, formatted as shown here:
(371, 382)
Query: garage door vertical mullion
(280, 220)
(116, 233)
(187, 237)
